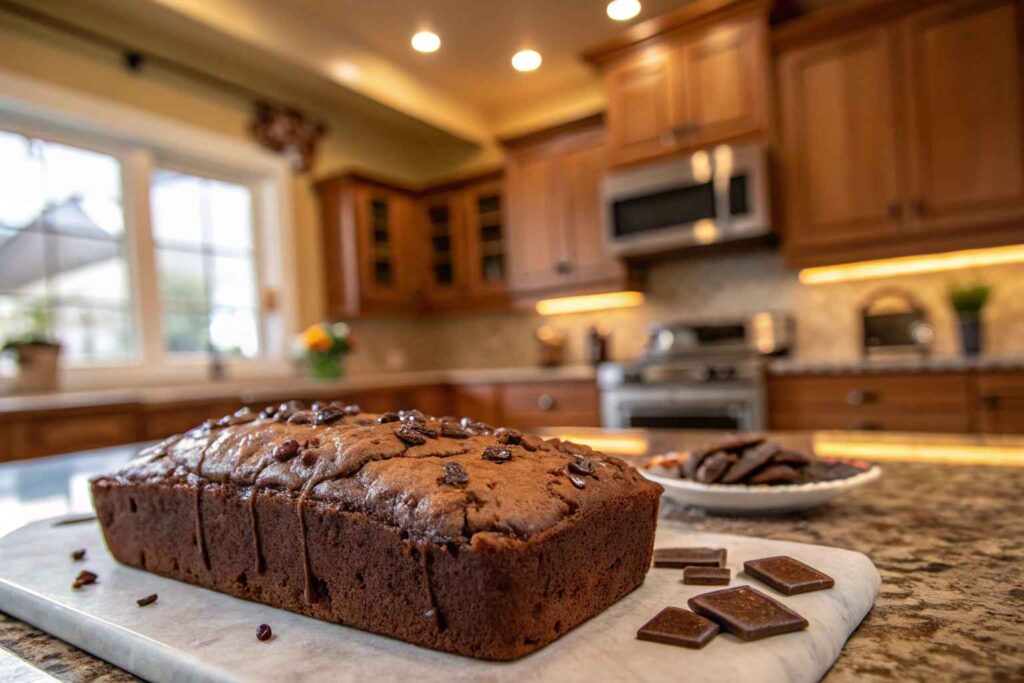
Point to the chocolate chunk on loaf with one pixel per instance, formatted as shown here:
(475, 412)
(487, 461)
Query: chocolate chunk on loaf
(443, 533)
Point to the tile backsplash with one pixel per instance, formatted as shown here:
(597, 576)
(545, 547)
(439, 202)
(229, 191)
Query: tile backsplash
(827, 316)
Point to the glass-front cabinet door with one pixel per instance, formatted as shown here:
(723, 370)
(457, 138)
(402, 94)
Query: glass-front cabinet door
(488, 238)
(441, 216)
(385, 271)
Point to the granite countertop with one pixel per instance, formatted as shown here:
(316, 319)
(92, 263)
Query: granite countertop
(255, 391)
(948, 541)
(803, 366)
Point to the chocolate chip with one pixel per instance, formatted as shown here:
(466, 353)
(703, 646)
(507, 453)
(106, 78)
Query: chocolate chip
(509, 436)
(84, 578)
(263, 632)
(309, 458)
(286, 450)
(148, 600)
(78, 555)
(384, 418)
(467, 422)
(577, 481)
(455, 474)
(411, 415)
(268, 411)
(531, 443)
(241, 416)
(327, 416)
(483, 428)
(581, 465)
(423, 428)
(452, 431)
(497, 454)
(303, 417)
(410, 436)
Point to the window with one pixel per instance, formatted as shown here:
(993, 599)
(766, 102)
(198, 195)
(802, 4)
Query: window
(205, 256)
(63, 268)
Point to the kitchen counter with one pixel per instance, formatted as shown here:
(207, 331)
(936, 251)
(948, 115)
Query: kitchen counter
(255, 391)
(948, 541)
(798, 366)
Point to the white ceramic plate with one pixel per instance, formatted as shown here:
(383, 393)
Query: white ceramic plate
(740, 499)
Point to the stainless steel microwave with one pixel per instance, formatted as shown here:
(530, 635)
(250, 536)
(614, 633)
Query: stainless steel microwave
(709, 196)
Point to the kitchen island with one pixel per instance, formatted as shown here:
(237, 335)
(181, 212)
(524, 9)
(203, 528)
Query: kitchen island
(948, 540)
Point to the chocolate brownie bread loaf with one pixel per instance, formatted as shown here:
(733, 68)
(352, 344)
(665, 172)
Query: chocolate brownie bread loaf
(443, 533)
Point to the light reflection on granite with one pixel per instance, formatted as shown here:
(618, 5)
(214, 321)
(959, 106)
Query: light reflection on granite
(947, 540)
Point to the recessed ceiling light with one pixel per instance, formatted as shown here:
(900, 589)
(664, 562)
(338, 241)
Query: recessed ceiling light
(623, 10)
(425, 41)
(526, 60)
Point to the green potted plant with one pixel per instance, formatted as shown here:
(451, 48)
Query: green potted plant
(968, 302)
(36, 354)
(325, 346)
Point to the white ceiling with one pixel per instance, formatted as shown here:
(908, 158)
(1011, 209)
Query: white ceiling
(479, 38)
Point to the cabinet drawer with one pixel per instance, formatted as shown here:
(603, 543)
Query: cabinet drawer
(899, 402)
(62, 434)
(545, 404)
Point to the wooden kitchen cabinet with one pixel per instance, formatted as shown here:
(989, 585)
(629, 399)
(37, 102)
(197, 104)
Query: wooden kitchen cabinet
(999, 401)
(840, 143)
(640, 106)
(550, 404)
(556, 221)
(444, 234)
(38, 433)
(902, 129)
(696, 80)
(965, 130)
(931, 402)
(371, 251)
(486, 239)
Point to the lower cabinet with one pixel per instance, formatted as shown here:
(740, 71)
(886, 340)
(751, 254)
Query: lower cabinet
(522, 405)
(989, 402)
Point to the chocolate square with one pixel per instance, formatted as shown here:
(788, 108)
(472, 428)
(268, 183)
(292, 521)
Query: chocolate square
(747, 613)
(787, 575)
(677, 626)
(679, 558)
(707, 576)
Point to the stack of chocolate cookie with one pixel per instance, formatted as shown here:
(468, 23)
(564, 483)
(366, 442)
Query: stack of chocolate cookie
(754, 461)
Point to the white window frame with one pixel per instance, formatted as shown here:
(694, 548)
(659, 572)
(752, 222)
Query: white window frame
(142, 141)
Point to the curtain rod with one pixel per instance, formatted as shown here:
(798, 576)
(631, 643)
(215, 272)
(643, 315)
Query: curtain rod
(135, 58)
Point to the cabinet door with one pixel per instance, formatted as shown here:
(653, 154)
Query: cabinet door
(840, 142)
(719, 83)
(964, 91)
(1000, 402)
(385, 224)
(583, 166)
(536, 221)
(640, 115)
(443, 233)
(487, 242)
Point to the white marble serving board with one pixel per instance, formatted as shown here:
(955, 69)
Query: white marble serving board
(193, 634)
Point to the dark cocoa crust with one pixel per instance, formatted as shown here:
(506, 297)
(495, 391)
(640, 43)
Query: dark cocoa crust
(359, 527)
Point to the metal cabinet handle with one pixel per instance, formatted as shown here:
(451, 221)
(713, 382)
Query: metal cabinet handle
(857, 397)
(916, 207)
(563, 267)
(545, 402)
(988, 402)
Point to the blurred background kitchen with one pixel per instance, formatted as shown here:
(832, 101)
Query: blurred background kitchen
(797, 215)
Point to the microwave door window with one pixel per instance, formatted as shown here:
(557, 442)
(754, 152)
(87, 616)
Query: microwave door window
(666, 209)
(739, 195)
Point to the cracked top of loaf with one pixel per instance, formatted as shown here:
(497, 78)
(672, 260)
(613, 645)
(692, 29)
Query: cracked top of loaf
(437, 479)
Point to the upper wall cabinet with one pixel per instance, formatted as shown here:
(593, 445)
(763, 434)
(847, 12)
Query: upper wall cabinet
(389, 249)
(703, 79)
(905, 136)
(556, 222)
(371, 248)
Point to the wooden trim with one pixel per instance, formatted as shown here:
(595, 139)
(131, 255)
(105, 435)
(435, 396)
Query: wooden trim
(365, 178)
(692, 14)
(546, 134)
(841, 19)
(462, 182)
(413, 190)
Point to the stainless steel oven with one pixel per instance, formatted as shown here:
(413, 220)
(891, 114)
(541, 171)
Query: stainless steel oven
(709, 196)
